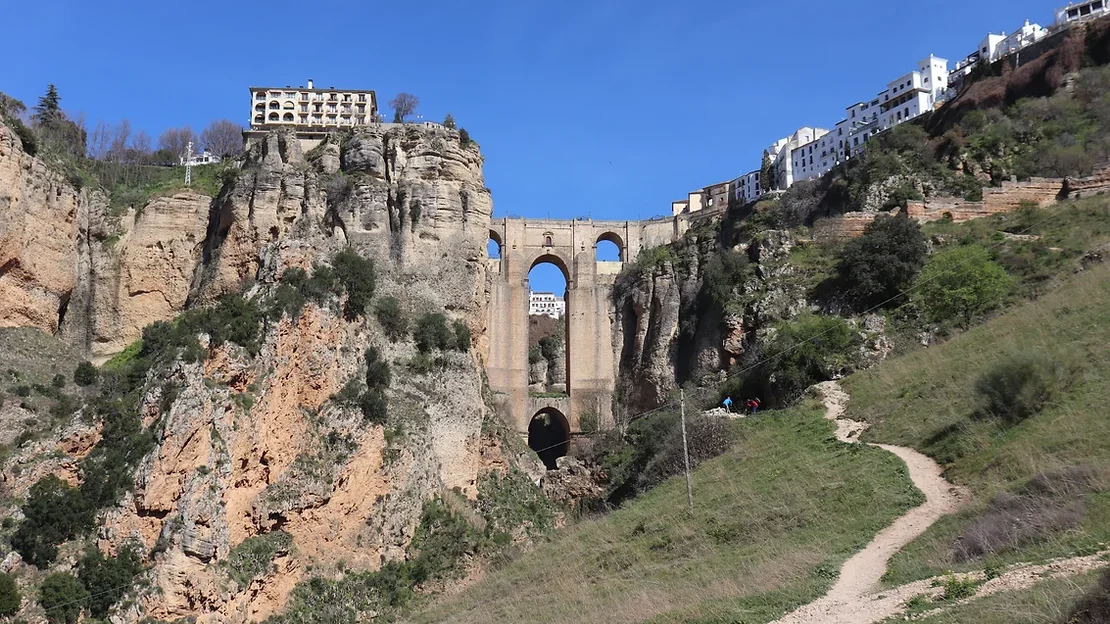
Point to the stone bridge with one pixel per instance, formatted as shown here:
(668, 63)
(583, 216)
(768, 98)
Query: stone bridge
(590, 352)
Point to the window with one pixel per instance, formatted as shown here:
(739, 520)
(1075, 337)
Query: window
(361, 97)
(304, 97)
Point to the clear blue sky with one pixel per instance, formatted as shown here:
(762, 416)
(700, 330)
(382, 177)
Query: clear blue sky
(603, 109)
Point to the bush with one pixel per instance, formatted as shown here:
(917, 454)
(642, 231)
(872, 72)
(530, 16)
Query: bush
(234, 319)
(59, 381)
(107, 579)
(357, 276)
(54, 512)
(85, 374)
(1019, 387)
(432, 333)
(464, 137)
(875, 268)
(23, 390)
(805, 351)
(462, 335)
(254, 556)
(1094, 608)
(393, 319)
(960, 283)
(10, 598)
(958, 588)
(377, 370)
(63, 598)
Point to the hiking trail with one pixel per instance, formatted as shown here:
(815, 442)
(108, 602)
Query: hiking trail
(856, 598)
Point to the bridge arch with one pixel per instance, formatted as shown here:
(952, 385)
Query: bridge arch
(613, 237)
(549, 435)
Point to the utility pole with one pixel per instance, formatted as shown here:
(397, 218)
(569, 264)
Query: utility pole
(686, 453)
(189, 164)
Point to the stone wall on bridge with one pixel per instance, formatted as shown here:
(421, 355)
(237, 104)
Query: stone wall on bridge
(591, 360)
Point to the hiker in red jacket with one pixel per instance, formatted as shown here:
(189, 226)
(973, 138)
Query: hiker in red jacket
(754, 404)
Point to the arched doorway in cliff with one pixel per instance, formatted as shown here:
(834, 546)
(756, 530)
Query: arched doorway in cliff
(493, 247)
(609, 248)
(548, 435)
(548, 327)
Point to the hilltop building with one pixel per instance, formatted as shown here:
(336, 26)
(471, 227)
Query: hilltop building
(1082, 11)
(546, 304)
(310, 111)
(204, 158)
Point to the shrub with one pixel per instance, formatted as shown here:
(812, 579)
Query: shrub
(875, 268)
(59, 381)
(357, 276)
(23, 390)
(393, 319)
(432, 333)
(1019, 387)
(1048, 504)
(805, 351)
(960, 283)
(374, 407)
(10, 598)
(234, 319)
(462, 335)
(1094, 608)
(107, 579)
(377, 370)
(958, 588)
(253, 557)
(54, 512)
(464, 137)
(85, 374)
(63, 598)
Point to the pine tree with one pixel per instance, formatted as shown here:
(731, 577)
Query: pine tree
(766, 173)
(49, 107)
(449, 121)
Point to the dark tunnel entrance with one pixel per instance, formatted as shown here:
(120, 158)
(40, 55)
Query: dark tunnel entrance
(548, 434)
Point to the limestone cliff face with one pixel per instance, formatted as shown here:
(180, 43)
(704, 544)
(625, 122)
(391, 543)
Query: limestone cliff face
(249, 445)
(668, 331)
(69, 266)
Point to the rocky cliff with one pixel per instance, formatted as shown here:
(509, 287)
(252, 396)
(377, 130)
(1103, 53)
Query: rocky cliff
(247, 445)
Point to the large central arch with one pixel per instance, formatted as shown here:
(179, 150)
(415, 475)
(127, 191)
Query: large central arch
(591, 363)
(549, 435)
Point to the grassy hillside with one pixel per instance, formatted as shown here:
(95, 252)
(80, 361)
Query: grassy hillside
(927, 400)
(774, 518)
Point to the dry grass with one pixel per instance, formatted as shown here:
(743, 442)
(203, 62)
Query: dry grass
(774, 519)
(1047, 602)
(926, 400)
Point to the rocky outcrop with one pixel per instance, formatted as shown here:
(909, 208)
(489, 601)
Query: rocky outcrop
(70, 266)
(250, 445)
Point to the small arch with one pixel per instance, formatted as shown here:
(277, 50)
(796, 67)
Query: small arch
(555, 260)
(260, 107)
(287, 117)
(275, 117)
(609, 247)
(259, 118)
(275, 105)
(289, 106)
(494, 246)
(549, 435)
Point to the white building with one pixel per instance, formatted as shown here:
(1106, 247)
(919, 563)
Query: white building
(783, 152)
(914, 93)
(1027, 34)
(747, 188)
(546, 304)
(308, 109)
(204, 158)
(1081, 11)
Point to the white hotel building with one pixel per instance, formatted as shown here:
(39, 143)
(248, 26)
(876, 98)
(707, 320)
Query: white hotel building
(546, 304)
(310, 111)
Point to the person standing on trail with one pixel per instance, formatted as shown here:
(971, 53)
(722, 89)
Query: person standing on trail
(728, 404)
(755, 404)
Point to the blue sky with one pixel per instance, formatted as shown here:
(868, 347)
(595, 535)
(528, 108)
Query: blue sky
(602, 109)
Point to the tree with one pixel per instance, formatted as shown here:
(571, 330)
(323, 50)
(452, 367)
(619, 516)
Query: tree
(392, 318)
(117, 147)
(10, 599)
(174, 141)
(462, 335)
(766, 173)
(63, 598)
(874, 268)
(432, 333)
(464, 137)
(107, 579)
(141, 145)
(960, 282)
(11, 107)
(357, 276)
(49, 107)
(403, 105)
(223, 138)
(449, 121)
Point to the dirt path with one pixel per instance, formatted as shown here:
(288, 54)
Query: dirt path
(849, 601)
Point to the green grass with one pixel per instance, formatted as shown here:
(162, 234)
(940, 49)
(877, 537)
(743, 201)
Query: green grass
(1046, 602)
(773, 520)
(926, 400)
(135, 185)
